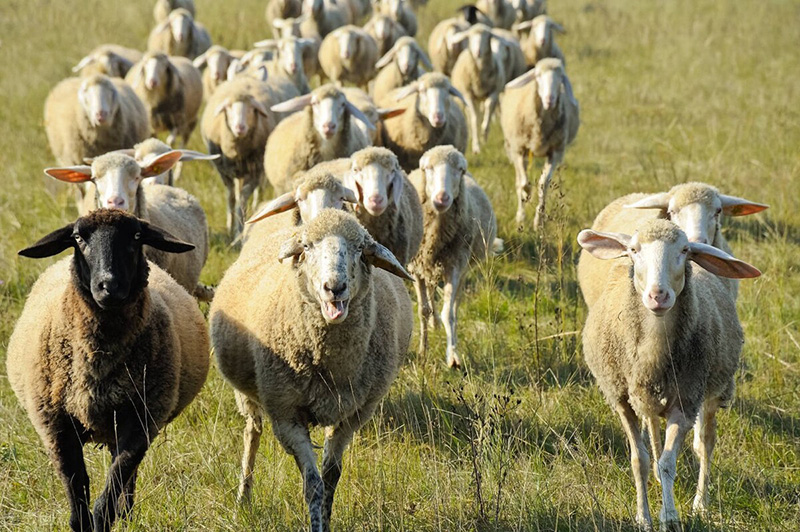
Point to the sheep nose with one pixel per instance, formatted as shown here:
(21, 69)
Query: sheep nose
(101, 116)
(293, 68)
(659, 295)
(151, 83)
(115, 202)
(240, 129)
(441, 200)
(329, 128)
(335, 288)
(376, 201)
(108, 285)
(438, 119)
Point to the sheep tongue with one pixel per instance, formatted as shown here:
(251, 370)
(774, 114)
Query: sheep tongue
(334, 309)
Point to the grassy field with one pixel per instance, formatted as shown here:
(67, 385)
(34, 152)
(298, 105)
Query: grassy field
(670, 91)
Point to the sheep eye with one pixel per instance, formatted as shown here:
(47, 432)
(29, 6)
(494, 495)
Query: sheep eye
(632, 251)
(684, 251)
(719, 211)
(671, 213)
(306, 247)
(77, 238)
(137, 236)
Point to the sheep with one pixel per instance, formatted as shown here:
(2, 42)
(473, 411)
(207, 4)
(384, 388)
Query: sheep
(179, 35)
(376, 115)
(112, 60)
(501, 12)
(443, 52)
(172, 90)
(359, 9)
(323, 129)
(215, 63)
(348, 54)
(282, 9)
(528, 9)
(664, 340)
(109, 349)
(399, 66)
(163, 8)
(236, 124)
(385, 31)
(459, 227)
(86, 117)
(322, 17)
(288, 61)
(322, 320)
(694, 207)
(116, 183)
(286, 28)
(538, 119)
(479, 75)
(431, 119)
(507, 49)
(540, 43)
(401, 12)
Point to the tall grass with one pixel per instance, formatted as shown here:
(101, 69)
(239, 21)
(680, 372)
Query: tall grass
(522, 440)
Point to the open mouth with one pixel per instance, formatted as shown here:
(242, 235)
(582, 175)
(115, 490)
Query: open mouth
(334, 311)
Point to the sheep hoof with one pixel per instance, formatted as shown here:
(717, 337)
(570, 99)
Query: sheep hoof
(520, 218)
(699, 505)
(644, 524)
(671, 526)
(669, 521)
(453, 362)
(525, 191)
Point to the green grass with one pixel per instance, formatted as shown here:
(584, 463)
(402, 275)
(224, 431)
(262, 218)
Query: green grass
(669, 92)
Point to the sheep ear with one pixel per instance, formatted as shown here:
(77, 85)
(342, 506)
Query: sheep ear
(348, 195)
(52, 244)
(86, 61)
(356, 113)
(720, 263)
(397, 183)
(295, 104)
(604, 245)
(386, 59)
(191, 155)
(522, 80)
(654, 201)
(733, 206)
(522, 26)
(557, 27)
(258, 106)
(291, 248)
(426, 62)
(200, 61)
(261, 74)
(456, 38)
(158, 238)
(407, 91)
(222, 106)
(71, 174)
(269, 44)
(382, 258)
(384, 114)
(162, 163)
(455, 92)
(282, 203)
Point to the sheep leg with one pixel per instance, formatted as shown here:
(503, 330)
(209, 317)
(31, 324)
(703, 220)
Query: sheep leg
(489, 105)
(132, 445)
(705, 437)
(297, 442)
(654, 430)
(450, 315)
(553, 160)
(424, 310)
(252, 439)
(472, 112)
(127, 499)
(336, 441)
(230, 185)
(249, 187)
(640, 463)
(677, 427)
(523, 185)
(66, 453)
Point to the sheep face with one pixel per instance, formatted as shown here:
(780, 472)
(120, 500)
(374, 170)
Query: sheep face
(407, 59)
(242, 115)
(376, 185)
(548, 86)
(329, 114)
(348, 45)
(479, 44)
(155, 71)
(218, 63)
(312, 202)
(434, 104)
(290, 54)
(289, 27)
(180, 24)
(382, 27)
(542, 32)
(99, 99)
(444, 177)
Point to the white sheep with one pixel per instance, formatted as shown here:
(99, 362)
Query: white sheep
(694, 207)
(214, 63)
(480, 76)
(322, 128)
(179, 35)
(376, 115)
(443, 52)
(285, 28)
(163, 8)
(385, 31)
(172, 90)
(236, 124)
(348, 54)
(288, 60)
(399, 66)
(509, 51)
(112, 60)
(539, 43)
(86, 117)
(663, 341)
(320, 17)
(501, 12)
(538, 119)
(282, 9)
(459, 228)
(401, 12)
(105, 351)
(528, 9)
(116, 183)
(320, 309)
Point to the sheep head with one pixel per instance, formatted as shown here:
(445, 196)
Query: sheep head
(549, 75)
(217, 59)
(433, 97)
(376, 178)
(407, 54)
(478, 39)
(330, 110)
(696, 208)
(99, 99)
(109, 265)
(659, 250)
(333, 254)
(242, 113)
(443, 168)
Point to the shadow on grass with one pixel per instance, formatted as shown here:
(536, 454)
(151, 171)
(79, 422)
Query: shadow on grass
(780, 423)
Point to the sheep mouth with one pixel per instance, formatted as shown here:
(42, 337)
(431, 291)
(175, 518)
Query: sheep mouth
(335, 311)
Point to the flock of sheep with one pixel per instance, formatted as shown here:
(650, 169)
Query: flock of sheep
(311, 324)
